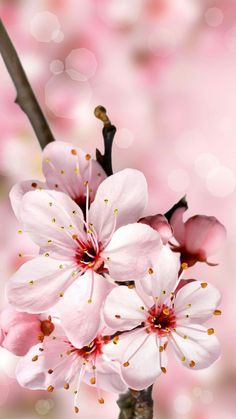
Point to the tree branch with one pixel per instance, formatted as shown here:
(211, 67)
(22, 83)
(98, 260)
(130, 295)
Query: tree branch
(25, 96)
(136, 404)
(108, 133)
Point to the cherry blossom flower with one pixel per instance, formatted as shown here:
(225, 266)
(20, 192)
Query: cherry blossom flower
(160, 224)
(149, 321)
(199, 237)
(67, 169)
(20, 331)
(56, 363)
(108, 241)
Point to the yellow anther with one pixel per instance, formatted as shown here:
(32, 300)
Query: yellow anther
(92, 380)
(192, 364)
(20, 232)
(106, 201)
(76, 170)
(73, 151)
(50, 204)
(116, 211)
(204, 284)
(184, 265)
(163, 292)
(163, 369)
(49, 241)
(47, 160)
(166, 311)
(61, 294)
(76, 409)
(117, 316)
(217, 312)
(210, 331)
(189, 305)
(142, 308)
(88, 156)
(89, 301)
(62, 172)
(50, 371)
(126, 364)
(131, 286)
(183, 359)
(115, 340)
(150, 271)
(66, 386)
(35, 358)
(31, 282)
(53, 220)
(185, 337)
(20, 255)
(46, 255)
(101, 401)
(161, 348)
(61, 266)
(50, 389)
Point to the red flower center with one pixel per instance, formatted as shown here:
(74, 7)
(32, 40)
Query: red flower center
(161, 320)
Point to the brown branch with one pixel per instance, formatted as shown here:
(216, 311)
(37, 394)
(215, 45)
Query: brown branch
(108, 133)
(136, 404)
(25, 96)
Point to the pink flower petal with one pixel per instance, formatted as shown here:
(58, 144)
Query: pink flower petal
(120, 200)
(108, 376)
(178, 225)
(197, 302)
(163, 274)
(194, 347)
(204, 235)
(131, 250)
(22, 337)
(52, 218)
(80, 319)
(37, 285)
(19, 190)
(68, 168)
(35, 375)
(144, 360)
(123, 309)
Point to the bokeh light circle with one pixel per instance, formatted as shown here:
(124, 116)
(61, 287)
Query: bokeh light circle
(178, 180)
(214, 17)
(120, 12)
(221, 181)
(57, 66)
(81, 64)
(43, 407)
(65, 96)
(182, 404)
(44, 26)
(204, 163)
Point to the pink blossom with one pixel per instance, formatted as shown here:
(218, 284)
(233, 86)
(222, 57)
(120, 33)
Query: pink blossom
(199, 237)
(109, 241)
(56, 363)
(20, 331)
(152, 320)
(67, 169)
(160, 224)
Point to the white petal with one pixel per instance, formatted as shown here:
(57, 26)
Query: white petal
(123, 309)
(194, 347)
(120, 200)
(196, 302)
(19, 190)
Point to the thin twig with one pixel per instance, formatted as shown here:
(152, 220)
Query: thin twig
(108, 133)
(25, 96)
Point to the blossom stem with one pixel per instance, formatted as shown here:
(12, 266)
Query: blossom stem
(136, 404)
(25, 97)
(108, 133)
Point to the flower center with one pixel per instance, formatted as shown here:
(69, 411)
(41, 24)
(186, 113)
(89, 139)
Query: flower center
(161, 320)
(93, 349)
(88, 256)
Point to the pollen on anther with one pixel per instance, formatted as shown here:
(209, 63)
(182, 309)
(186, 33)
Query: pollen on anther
(76, 409)
(89, 301)
(66, 386)
(34, 185)
(150, 271)
(185, 337)
(74, 212)
(53, 220)
(73, 151)
(163, 369)
(166, 311)
(92, 380)
(106, 201)
(50, 371)
(76, 170)
(49, 241)
(50, 389)
(31, 282)
(161, 348)
(46, 255)
(88, 156)
(204, 284)
(184, 265)
(61, 266)
(50, 204)
(61, 294)
(210, 331)
(20, 255)
(183, 359)
(217, 312)
(101, 401)
(142, 308)
(126, 364)
(117, 316)
(20, 232)
(164, 292)
(192, 364)
(116, 211)
(62, 172)
(35, 358)
(115, 340)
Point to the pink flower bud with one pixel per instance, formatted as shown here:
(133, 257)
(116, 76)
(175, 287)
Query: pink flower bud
(159, 223)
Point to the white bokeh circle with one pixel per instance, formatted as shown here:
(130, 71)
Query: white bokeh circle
(214, 17)
(57, 66)
(221, 181)
(44, 26)
(81, 64)
(204, 163)
(182, 404)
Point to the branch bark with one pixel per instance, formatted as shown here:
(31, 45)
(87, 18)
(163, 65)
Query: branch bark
(136, 404)
(108, 133)
(25, 96)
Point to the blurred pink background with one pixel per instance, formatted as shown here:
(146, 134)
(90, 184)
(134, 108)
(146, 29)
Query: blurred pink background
(165, 71)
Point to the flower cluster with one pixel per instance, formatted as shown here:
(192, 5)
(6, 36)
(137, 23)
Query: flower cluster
(105, 296)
